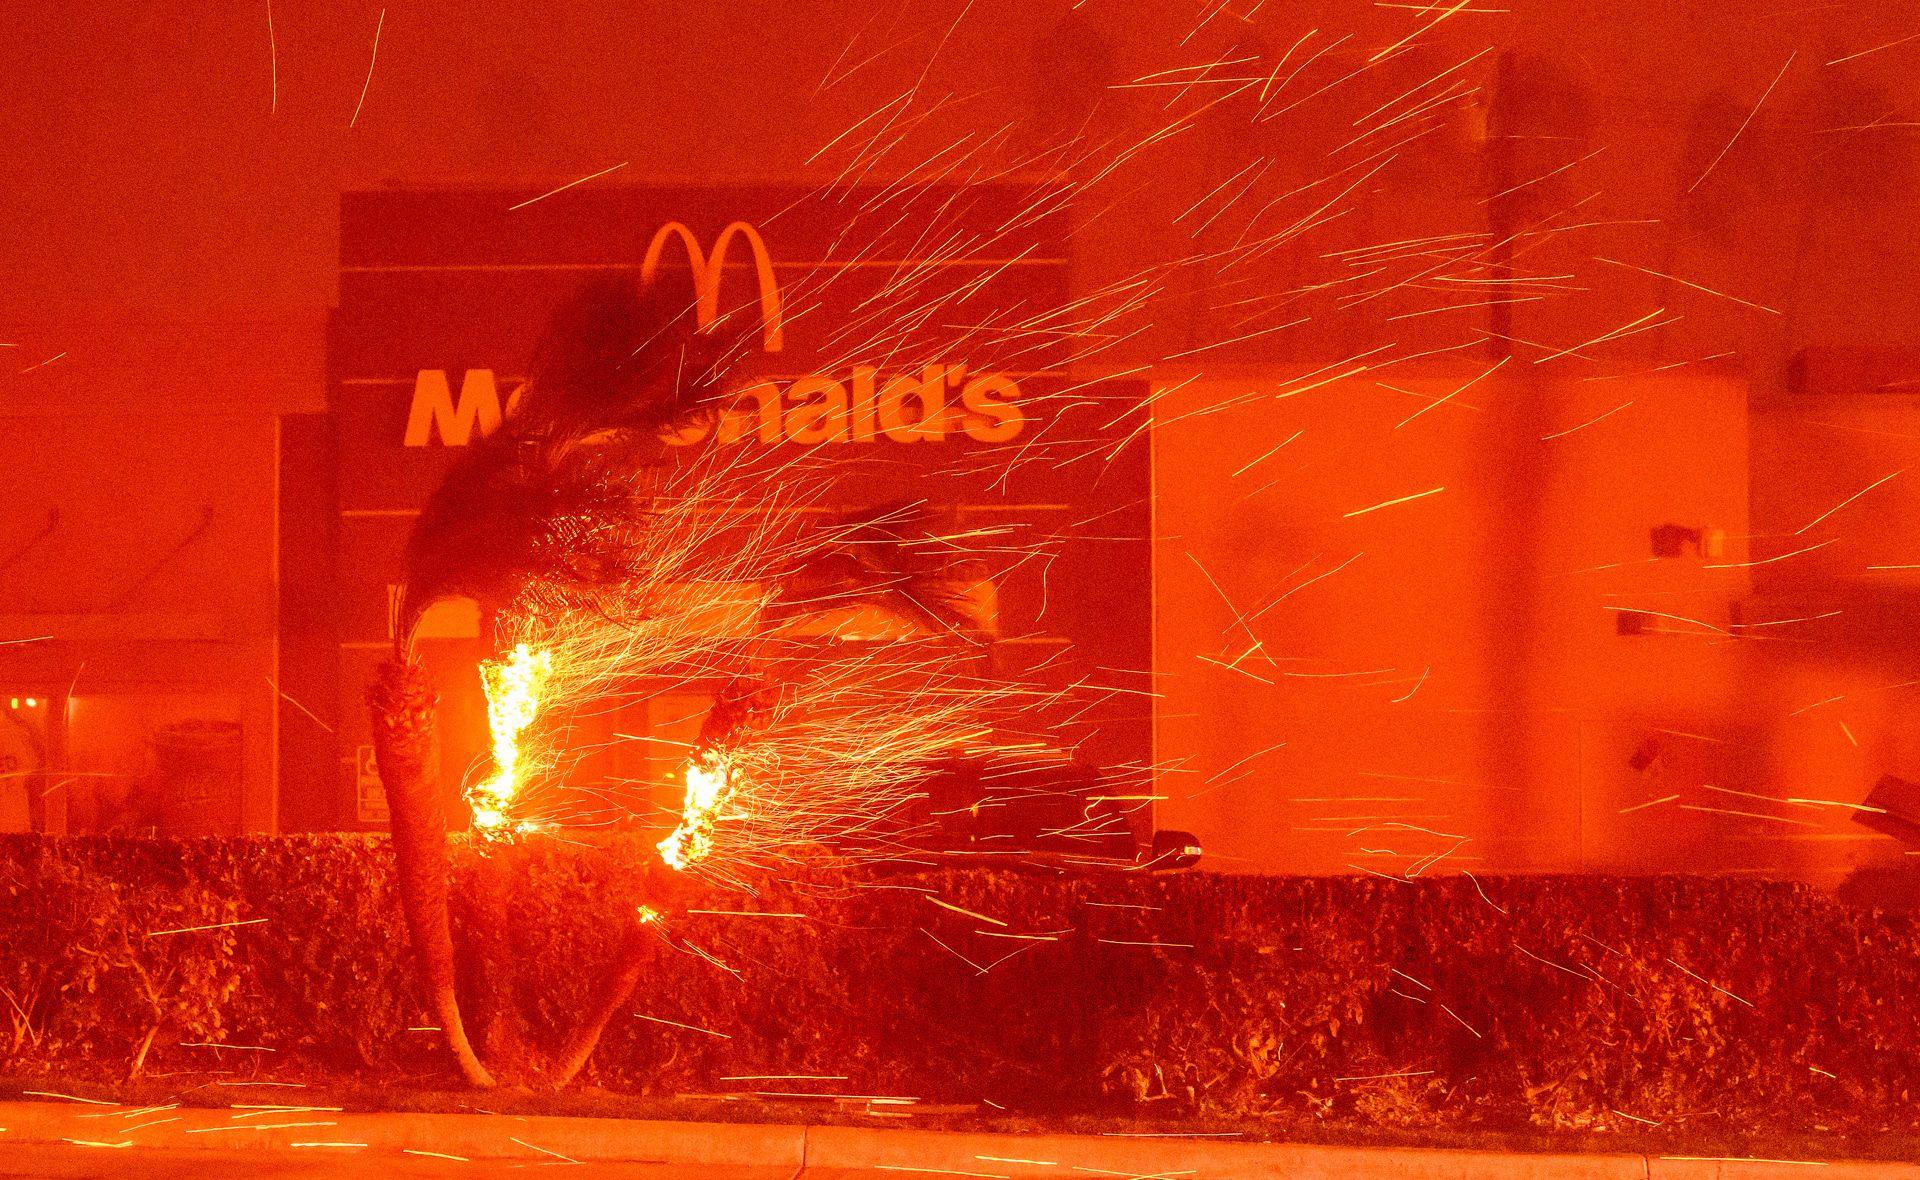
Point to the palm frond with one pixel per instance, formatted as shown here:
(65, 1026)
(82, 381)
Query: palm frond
(617, 367)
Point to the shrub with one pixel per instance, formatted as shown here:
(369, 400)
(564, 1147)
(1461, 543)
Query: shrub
(1551, 1002)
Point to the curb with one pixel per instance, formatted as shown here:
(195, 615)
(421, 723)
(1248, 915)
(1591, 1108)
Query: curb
(514, 1138)
(792, 1150)
(1028, 1157)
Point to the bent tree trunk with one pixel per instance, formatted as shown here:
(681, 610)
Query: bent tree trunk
(623, 975)
(405, 744)
(487, 950)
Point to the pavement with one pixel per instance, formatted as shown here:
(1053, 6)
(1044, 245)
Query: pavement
(64, 1162)
(64, 1139)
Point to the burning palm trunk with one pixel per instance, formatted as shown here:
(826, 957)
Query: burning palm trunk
(708, 788)
(405, 742)
(514, 686)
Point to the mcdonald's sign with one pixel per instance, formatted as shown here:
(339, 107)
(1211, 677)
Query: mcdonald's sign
(444, 293)
(709, 270)
(942, 402)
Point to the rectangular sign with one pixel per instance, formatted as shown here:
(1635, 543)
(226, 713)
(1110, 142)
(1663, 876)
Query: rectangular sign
(369, 793)
(861, 307)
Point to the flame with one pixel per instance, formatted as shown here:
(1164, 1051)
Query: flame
(708, 788)
(514, 686)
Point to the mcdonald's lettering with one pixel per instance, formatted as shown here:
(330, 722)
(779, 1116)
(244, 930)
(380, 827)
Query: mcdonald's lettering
(434, 407)
(941, 402)
(871, 408)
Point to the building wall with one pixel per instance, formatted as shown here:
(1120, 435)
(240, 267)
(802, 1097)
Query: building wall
(1448, 675)
(139, 585)
(1448, 663)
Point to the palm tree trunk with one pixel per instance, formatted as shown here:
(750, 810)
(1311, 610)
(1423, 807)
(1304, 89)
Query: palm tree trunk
(622, 977)
(487, 948)
(405, 744)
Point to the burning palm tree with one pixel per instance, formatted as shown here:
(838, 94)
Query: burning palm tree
(598, 553)
(522, 506)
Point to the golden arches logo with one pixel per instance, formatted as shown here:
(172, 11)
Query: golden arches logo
(708, 270)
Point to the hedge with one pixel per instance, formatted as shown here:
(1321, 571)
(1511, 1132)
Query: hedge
(1552, 1002)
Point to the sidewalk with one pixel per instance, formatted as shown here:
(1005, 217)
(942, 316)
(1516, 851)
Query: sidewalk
(821, 1153)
